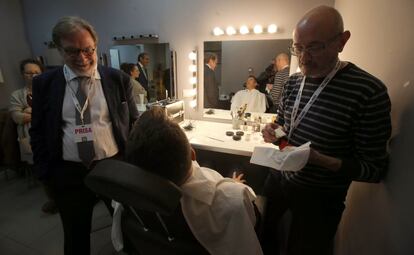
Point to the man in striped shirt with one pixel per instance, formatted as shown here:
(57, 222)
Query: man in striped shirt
(282, 66)
(345, 113)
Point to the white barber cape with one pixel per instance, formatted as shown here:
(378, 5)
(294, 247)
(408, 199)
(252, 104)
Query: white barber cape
(255, 100)
(219, 212)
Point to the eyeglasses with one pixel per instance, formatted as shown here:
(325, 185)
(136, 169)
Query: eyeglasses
(74, 52)
(315, 49)
(31, 74)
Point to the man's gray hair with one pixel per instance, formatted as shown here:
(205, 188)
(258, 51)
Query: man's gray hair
(70, 24)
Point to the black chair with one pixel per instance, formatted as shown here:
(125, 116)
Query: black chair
(152, 221)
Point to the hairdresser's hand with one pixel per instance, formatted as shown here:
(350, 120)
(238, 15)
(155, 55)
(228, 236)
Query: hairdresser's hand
(268, 132)
(238, 177)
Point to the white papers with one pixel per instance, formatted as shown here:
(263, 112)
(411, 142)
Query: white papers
(290, 159)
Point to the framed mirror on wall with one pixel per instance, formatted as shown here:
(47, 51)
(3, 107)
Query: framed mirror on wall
(156, 72)
(236, 60)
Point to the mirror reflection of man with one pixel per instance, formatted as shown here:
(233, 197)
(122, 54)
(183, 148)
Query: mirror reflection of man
(255, 100)
(211, 90)
(282, 74)
(143, 62)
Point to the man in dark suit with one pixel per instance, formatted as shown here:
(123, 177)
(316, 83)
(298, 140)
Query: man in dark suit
(82, 113)
(143, 62)
(211, 90)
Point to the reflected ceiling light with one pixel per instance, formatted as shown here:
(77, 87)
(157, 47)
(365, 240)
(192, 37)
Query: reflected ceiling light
(272, 28)
(258, 29)
(192, 68)
(192, 55)
(244, 30)
(230, 30)
(218, 31)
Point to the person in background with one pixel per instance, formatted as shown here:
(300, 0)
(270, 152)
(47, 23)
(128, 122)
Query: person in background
(281, 76)
(211, 89)
(218, 210)
(345, 113)
(255, 100)
(137, 89)
(21, 112)
(82, 113)
(143, 79)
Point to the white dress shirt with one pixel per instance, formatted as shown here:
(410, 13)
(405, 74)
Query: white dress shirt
(103, 139)
(218, 210)
(255, 100)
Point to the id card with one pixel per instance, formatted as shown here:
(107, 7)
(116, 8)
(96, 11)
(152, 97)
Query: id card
(83, 133)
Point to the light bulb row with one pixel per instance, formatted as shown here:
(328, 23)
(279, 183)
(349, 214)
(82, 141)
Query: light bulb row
(244, 30)
(192, 93)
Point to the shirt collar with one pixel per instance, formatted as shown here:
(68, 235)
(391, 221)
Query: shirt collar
(70, 75)
(200, 186)
(209, 66)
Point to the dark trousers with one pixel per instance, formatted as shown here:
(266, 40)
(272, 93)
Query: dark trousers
(75, 203)
(315, 217)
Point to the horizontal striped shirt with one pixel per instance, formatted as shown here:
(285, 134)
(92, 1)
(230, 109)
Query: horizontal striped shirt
(350, 120)
(278, 84)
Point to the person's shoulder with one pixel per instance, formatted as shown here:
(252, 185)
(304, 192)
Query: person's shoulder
(49, 75)
(18, 92)
(362, 79)
(113, 74)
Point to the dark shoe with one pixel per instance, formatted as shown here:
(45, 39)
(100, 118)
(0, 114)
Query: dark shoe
(50, 207)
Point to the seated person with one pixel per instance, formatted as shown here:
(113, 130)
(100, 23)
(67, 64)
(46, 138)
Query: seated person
(137, 88)
(255, 100)
(218, 210)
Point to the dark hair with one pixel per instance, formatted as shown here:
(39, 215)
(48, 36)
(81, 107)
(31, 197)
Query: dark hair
(208, 56)
(252, 76)
(26, 61)
(142, 55)
(159, 145)
(70, 24)
(127, 67)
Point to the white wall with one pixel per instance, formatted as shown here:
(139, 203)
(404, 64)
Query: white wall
(185, 24)
(379, 217)
(13, 48)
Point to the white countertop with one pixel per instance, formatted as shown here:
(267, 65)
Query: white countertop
(221, 114)
(208, 135)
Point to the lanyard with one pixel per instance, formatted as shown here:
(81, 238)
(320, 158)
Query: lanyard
(295, 120)
(73, 94)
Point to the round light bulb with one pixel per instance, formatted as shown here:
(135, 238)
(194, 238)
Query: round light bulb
(258, 29)
(193, 103)
(230, 30)
(271, 29)
(244, 30)
(192, 68)
(218, 31)
(193, 80)
(192, 55)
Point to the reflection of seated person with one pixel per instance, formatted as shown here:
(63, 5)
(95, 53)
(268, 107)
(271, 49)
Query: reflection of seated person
(218, 210)
(137, 88)
(255, 100)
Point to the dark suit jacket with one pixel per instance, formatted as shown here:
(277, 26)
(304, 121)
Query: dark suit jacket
(211, 90)
(46, 131)
(141, 78)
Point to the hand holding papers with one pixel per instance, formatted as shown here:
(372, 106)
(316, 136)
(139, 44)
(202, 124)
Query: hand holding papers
(290, 159)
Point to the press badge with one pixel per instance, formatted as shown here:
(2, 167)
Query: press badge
(83, 133)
